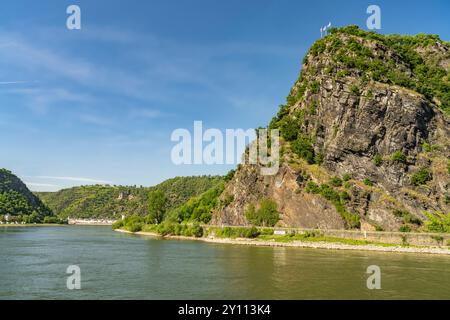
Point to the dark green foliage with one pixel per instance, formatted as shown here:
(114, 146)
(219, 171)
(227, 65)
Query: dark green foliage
(438, 222)
(423, 75)
(346, 177)
(313, 107)
(421, 177)
(399, 157)
(319, 158)
(238, 232)
(336, 182)
(407, 217)
(173, 229)
(405, 228)
(19, 202)
(315, 87)
(229, 176)
(378, 160)
(312, 187)
(267, 215)
(368, 182)
(304, 149)
(157, 206)
(114, 201)
(198, 208)
(290, 129)
(132, 223)
(354, 89)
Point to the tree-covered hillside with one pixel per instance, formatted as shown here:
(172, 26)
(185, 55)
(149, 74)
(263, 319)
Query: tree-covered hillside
(19, 202)
(114, 201)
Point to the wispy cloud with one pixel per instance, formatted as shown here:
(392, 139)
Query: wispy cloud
(145, 113)
(15, 82)
(42, 187)
(33, 184)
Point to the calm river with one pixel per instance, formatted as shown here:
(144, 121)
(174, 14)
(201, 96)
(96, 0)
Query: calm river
(33, 263)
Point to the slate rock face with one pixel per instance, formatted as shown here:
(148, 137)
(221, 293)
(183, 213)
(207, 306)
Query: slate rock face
(352, 120)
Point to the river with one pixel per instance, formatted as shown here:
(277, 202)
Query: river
(34, 260)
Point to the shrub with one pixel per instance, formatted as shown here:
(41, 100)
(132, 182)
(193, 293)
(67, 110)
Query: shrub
(229, 175)
(398, 156)
(368, 182)
(312, 187)
(421, 177)
(407, 217)
(378, 160)
(52, 220)
(438, 222)
(266, 215)
(336, 182)
(117, 225)
(197, 231)
(289, 129)
(426, 147)
(354, 89)
(344, 196)
(135, 227)
(319, 158)
(405, 228)
(238, 232)
(346, 177)
(304, 149)
(315, 87)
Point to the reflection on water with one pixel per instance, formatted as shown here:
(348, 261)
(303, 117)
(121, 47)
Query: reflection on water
(119, 266)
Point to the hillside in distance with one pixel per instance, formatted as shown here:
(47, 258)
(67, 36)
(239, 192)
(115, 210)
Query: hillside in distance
(365, 138)
(112, 202)
(19, 202)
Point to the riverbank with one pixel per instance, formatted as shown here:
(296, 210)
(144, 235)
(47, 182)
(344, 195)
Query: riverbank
(281, 242)
(27, 225)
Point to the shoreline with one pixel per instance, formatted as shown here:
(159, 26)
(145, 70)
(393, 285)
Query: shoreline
(300, 244)
(28, 225)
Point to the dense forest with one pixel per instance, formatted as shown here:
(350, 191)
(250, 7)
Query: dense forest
(100, 201)
(19, 203)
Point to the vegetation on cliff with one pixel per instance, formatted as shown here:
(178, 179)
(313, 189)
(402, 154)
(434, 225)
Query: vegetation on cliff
(364, 129)
(114, 201)
(18, 202)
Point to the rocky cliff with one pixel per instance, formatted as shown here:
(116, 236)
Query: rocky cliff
(365, 138)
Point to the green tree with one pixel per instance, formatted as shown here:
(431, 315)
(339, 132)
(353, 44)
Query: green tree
(267, 215)
(157, 202)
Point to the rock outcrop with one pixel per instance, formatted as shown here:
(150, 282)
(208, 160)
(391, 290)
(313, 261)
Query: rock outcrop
(375, 111)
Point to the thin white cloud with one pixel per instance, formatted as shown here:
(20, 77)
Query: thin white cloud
(33, 184)
(15, 82)
(145, 113)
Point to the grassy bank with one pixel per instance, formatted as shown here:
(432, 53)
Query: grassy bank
(266, 237)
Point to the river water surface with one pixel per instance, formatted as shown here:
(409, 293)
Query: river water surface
(33, 263)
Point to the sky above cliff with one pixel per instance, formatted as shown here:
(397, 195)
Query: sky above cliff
(98, 105)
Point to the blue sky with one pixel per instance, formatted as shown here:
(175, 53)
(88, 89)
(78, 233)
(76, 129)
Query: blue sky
(99, 104)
